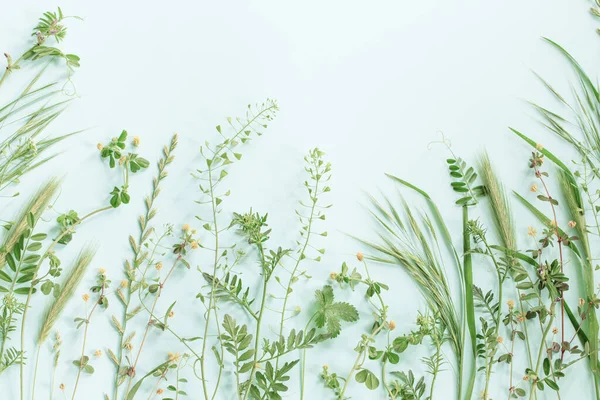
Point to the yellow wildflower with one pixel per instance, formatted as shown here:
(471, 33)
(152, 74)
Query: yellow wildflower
(85, 297)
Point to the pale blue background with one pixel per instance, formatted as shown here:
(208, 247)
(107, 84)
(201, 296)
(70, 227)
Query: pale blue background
(371, 83)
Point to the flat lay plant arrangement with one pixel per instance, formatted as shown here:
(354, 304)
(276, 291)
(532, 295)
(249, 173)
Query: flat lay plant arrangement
(516, 338)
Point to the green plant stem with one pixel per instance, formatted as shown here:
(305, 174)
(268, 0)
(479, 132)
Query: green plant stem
(560, 251)
(11, 292)
(384, 381)
(37, 360)
(211, 301)
(85, 332)
(149, 324)
(542, 348)
(360, 359)
(291, 281)
(498, 315)
(220, 373)
(512, 352)
(357, 364)
(258, 325)
(469, 305)
(8, 70)
(37, 268)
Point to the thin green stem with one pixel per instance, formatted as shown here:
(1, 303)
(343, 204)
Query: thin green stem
(258, 325)
(149, 324)
(469, 305)
(211, 301)
(85, 332)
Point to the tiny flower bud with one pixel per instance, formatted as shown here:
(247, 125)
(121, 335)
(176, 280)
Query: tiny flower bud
(391, 325)
(122, 160)
(572, 224)
(98, 353)
(533, 188)
(526, 378)
(333, 275)
(531, 231)
(298, 309)
(539, 147)
(136, 141)
(159, 391)
(85, 297)
(171, 314)
(185, 227)
(99, 146)
(581, 302)
(360, 256)
(158, 266)
(102, 271)
(555, 331)
(500, 339)
(129, 346)
(62, 386)
(511, 304)
(194, 244)
(124, 283)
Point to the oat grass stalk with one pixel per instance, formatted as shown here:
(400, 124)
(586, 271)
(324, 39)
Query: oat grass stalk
(38, 203)
(71, 282)
(498, 202)
(577, 214)
(499, 206)
(413, 244)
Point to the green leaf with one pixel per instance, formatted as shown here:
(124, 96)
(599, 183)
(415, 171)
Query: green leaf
(5, 277)
(47, 287)
(368, 378)
(35, 246)
(551, 384)
(30, 220)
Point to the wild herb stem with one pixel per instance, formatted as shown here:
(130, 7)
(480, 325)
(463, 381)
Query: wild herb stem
(559, 239)
(149, 324)
(85, 332)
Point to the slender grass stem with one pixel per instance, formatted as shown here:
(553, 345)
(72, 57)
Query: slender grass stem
(469, 304)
